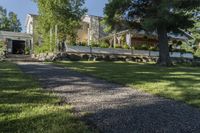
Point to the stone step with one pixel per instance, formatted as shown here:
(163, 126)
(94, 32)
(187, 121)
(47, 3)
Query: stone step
(18, 56)
(23, 58)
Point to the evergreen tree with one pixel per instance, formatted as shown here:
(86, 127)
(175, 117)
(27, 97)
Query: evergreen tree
(15, 24)
(4, 22)
(10, 22)
(161, 15)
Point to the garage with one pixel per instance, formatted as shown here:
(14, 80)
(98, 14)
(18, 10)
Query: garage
(17, 43)
(18, 47)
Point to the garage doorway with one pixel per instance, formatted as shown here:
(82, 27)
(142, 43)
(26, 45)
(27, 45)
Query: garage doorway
(18, 47)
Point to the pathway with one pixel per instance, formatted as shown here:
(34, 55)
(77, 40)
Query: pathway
(113, 108)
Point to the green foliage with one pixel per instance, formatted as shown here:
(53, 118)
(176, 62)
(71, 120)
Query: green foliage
(81, 44)
(118, 46)
(151, 13)
(197, 53)
(66, 14)
(2, 48)
(10, 22)
(125, 46)
(46, 46)
(142, 47)
(103, 44)
(161, 15)
(27, 51)
(94, 43)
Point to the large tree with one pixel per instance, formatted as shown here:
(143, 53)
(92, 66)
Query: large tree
(14, 22)
(9, 22)
(195, 30)
(162, 16)
(64, 14)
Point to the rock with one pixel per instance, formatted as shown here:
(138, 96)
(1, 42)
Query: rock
(106, 58)
(85, 57)
(74, 57)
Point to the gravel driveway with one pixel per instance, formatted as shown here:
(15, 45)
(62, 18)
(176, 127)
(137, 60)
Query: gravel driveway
(113, 108)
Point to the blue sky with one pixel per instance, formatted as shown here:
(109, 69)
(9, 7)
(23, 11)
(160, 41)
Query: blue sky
(23, 7)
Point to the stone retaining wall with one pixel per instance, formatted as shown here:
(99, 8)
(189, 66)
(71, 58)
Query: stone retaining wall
(102, 57)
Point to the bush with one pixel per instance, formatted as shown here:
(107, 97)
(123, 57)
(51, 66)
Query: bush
(153, 48)
(118, 46)
(197, 53)
(2, 48)
(125, 46)
(27, 51)
(94, 44)
(80, 44)
(104, 45)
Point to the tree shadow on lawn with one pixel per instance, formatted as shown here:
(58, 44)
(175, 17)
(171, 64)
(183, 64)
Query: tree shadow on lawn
(50, 121)
(130, 112)
(24, 107)
(180, 83)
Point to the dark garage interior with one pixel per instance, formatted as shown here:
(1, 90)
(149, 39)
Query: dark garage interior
(18, 47)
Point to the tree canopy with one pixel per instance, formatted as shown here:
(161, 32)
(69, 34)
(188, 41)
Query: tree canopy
(10, 21)
(162, 16)
(65, 14)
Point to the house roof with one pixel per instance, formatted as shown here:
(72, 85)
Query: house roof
(8, 34)
(33, 15)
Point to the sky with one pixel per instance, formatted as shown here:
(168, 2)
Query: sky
(23, 7)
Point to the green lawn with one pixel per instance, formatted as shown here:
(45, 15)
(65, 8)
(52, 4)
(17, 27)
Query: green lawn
(25, 108)
(179, 83)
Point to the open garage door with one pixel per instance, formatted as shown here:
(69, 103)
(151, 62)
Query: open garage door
(18, 47)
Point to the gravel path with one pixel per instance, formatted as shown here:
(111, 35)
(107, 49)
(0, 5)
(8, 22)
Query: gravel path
(113, 108)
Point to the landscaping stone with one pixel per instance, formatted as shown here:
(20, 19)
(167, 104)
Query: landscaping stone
(102, 57)
(74, 57)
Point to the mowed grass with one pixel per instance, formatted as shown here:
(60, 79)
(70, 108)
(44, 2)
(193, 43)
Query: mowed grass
(179, 83)
(25, 108)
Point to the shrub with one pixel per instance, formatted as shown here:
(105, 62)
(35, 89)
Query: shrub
(2, 47)
(197, 53)
(153, 48)
(94, 44)
(27, 51)
(125, 46)
(104, 45)
(118, 46)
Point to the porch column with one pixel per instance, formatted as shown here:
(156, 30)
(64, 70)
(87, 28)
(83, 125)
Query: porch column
(88, 36)
(128, 39)
(115, 40)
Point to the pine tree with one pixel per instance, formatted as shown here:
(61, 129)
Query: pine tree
(10, 22)
(162, 16)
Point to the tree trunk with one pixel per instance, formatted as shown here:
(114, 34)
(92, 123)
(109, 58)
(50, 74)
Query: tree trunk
(164, 58)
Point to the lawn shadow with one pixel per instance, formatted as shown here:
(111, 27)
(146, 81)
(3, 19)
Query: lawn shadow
(115, 108)
(182, 83)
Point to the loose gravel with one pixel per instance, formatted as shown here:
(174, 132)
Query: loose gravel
(114, 108)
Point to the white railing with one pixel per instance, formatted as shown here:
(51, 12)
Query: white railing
(117, 51)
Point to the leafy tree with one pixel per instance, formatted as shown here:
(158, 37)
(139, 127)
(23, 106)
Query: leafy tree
(4, 22)
(65, 14)
(195, 31)
(15, 24)
(161, 15)
(10, 22)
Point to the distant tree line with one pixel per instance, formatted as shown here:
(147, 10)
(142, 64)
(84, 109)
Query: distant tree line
(9, 21)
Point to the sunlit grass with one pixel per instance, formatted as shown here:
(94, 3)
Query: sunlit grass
(25, 108)
(179, 82)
